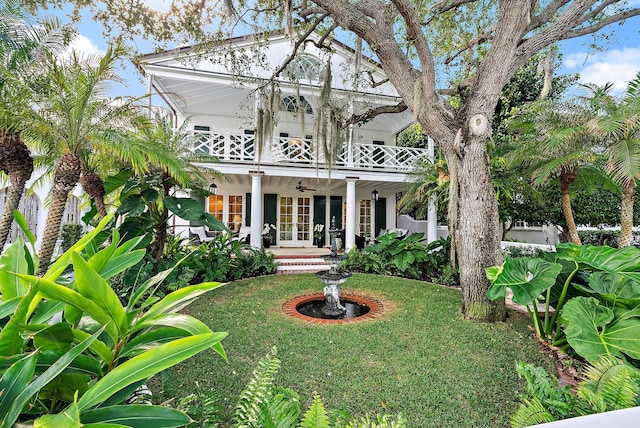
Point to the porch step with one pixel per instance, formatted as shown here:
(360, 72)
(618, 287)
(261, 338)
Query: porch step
(290, 265)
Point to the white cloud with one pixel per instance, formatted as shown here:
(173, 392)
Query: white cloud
(83, 46)
(618, 66)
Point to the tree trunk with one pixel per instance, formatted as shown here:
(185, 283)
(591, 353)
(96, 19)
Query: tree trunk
(566, 180)
(477, 228)
(17, 162)
(65, 178)
(93, 184)
(626, 214)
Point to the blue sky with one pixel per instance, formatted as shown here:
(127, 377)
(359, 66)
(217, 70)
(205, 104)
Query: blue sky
(617, 62)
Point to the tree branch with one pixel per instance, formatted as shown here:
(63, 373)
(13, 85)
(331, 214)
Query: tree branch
(488, 35)
(377, 111)
(297, 45)
(600, 25)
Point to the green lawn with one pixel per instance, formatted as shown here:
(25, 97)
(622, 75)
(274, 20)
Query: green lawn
(421, 358)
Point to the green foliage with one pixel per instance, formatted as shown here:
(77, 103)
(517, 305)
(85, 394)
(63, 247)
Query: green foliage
(408, 257)
(79, 367)
(202, 407)
(71, 233)
(608, 385)
(221, 259)
(264, 405)
(605, 324)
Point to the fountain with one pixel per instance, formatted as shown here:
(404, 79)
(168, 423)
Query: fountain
(331, 307)
(333, 277)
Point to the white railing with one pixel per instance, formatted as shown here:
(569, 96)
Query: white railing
(232, 147)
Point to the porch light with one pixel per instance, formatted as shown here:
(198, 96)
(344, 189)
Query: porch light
(374, 195)
(213, 187)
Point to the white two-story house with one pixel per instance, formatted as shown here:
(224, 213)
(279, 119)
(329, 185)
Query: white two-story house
(282, 176)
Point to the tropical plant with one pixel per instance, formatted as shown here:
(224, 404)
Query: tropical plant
(559, 146)
(75, 118)
(21, 44)
(618, 124)
(607, 385)
(176, 165)
(71, 233)
(604, 324)
(73, 353)
(146, 205)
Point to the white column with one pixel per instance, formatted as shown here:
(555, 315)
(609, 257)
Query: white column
(256, 211)
(432, 213)
(350, 227)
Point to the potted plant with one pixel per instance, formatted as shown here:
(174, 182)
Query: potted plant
(318, 234)
(266, 234)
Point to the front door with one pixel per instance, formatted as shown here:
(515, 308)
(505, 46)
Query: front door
(295, 220)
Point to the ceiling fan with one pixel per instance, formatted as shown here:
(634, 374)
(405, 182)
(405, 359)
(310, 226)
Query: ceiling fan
(301, 188)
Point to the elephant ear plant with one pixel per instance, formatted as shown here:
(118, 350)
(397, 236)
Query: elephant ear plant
(591, 291)
(72, 353)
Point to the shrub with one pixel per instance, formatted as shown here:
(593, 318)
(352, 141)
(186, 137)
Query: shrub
(408, 258)
(72, 352)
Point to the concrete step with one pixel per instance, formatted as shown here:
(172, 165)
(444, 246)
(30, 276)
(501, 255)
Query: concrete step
(301, 265)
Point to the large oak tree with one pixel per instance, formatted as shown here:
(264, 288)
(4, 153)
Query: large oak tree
(486, 41)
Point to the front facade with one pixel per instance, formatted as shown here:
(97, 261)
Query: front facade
(283, 176)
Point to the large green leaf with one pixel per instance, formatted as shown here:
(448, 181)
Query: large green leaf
(54, 370)
(70, 418)
(52, 291)
(181, 321)
(186, 208)
(92, 286)
(145, 365)
(624, 261)
(13, 261)
(11, 341)
(137, 416)
(527, 277)
(24, 226)
(61, 263)
(180, 298)
(150, 339)
(7, 307)
(620, 290)
(594, 330)
(56, 337)
(14, 381)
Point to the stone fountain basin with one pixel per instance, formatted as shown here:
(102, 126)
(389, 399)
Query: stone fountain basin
(291, 306)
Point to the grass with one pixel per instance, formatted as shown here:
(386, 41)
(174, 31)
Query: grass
(421, 358)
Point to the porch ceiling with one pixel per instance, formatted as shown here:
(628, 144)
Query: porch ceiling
(281, 184)
(224, 98)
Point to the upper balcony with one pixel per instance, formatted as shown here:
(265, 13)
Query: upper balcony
(302, 152)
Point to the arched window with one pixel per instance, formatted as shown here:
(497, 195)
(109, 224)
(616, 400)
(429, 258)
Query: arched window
(295, 105)
(305, 67)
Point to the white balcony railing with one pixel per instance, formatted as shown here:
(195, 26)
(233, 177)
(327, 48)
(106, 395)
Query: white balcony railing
(232, 147)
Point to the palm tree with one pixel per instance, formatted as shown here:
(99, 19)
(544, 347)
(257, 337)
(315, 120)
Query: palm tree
(618, 124)
(75, 119)
(179, 166)
(560, 147)
(20, 42)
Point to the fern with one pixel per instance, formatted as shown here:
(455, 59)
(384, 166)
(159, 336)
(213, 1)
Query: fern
(281, 411)
(609, 384)
(257, 393)
(316, 416)
(531, 413)
(203, 408)
(557, 399)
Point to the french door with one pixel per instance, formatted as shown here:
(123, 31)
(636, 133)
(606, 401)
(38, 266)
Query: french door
(295, 220)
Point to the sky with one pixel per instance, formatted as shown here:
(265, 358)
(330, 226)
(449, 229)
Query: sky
(617, 62)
